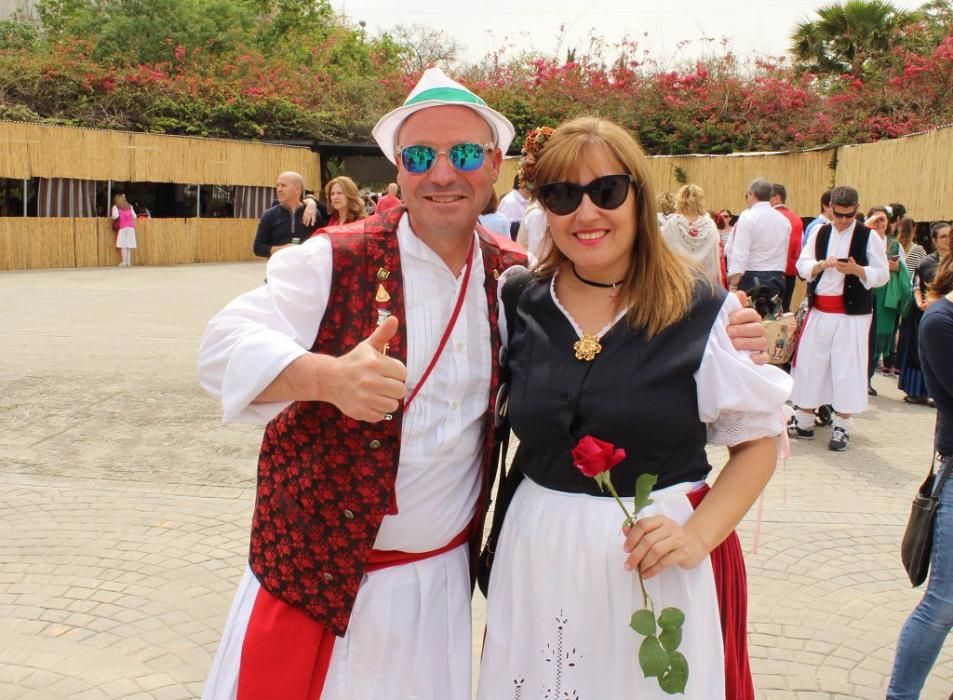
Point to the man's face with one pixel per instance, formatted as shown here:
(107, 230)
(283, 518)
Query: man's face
(444, 201)
(843, 216)
(287, 191)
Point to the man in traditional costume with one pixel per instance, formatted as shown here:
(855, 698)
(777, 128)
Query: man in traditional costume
(373, 352)
(842, 263)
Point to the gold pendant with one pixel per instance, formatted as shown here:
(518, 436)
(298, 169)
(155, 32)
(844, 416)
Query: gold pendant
(587, 347)
(382, 296)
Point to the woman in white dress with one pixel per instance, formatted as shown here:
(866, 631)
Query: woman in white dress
(124, 217)
(692, 234)
(615, 340)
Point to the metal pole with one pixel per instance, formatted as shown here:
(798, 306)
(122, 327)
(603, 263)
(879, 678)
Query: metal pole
(198, 201)
(109, 198)
(26, 194)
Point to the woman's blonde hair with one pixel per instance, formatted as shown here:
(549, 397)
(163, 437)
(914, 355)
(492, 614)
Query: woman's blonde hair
(355, 205)
(658, 285)
(690, 199)
(120, 201)
(666, 203)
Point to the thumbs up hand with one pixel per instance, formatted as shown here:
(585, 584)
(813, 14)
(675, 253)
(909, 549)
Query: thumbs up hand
(366, 383)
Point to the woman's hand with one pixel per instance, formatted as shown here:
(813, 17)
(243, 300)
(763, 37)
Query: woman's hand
(658, 542)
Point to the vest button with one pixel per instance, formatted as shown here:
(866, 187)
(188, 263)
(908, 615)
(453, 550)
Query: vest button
(328, 577)
(374, 444)
(348, 514)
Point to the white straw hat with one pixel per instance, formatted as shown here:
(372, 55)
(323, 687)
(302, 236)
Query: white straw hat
(435, 89)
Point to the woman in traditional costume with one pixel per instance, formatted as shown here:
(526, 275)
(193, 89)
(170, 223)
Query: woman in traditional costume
(614, 339)
(691, 232)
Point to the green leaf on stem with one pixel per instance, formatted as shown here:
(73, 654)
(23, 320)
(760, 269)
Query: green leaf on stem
(643, 622)
(670, 638)
(675, 676)
(643, 489)
(653, 659)
(671, 618)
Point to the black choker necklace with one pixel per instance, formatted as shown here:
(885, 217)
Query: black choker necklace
(601, 285)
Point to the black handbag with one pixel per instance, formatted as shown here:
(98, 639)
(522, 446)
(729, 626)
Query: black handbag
(510, 479)
(918, 537)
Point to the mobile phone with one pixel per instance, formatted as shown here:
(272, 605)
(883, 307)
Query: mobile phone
(843, 259)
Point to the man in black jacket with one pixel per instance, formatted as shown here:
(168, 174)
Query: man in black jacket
(281, 226)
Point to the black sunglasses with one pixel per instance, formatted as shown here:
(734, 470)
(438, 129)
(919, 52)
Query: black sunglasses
(607, 192)
(844, 214)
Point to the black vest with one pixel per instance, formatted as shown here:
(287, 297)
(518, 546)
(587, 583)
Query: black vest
(638, 394)
(858, 300)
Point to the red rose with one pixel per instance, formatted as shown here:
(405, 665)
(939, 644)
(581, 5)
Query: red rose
(593, 456)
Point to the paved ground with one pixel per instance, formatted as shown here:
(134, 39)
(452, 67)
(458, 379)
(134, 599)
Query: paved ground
(126, 506)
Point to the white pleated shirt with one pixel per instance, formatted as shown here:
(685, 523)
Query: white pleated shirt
(249, 343)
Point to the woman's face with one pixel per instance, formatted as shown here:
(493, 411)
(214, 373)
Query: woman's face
(338, 200)
(878, 222)
(943, 241)
(598, 241)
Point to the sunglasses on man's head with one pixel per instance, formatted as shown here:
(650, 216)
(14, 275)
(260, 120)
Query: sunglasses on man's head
(465, 157)
(607, 192)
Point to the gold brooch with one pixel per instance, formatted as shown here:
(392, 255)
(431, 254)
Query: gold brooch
(382, 297)
(587, 347)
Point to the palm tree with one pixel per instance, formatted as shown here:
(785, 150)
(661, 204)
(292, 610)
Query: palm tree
(847, 37)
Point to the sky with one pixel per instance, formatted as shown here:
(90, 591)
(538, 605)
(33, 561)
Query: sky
(483, 26)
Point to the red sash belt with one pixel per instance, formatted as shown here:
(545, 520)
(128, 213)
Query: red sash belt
(830, 304)
(286, 653)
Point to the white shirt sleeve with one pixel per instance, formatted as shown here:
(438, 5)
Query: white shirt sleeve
(876, 272)
(248, 344)
(806, 260)
(739, 400)
(115, 212)
(740, 247)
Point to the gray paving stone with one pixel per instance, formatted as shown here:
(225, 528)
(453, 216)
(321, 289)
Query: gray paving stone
(127, 504)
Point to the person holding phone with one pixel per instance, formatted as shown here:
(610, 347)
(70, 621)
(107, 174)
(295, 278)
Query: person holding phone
(842, 262)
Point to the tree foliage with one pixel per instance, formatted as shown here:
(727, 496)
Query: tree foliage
(849, 37)
(291, 69)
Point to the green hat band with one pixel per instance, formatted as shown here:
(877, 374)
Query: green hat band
(446, 94)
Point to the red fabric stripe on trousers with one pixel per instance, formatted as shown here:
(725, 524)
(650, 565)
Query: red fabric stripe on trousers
(731, 587)
(286, 653)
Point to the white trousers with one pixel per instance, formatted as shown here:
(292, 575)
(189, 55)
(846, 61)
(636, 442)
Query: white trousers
(409, 636)
(831, 364)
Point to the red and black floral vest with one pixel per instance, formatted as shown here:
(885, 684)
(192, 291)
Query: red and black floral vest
(326, 481)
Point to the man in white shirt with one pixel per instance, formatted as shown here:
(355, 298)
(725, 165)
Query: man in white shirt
(842, 263)
(514, 203)
(759, 243)
(404, 628)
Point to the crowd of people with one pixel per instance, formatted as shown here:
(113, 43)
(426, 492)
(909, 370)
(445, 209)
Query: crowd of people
(386, 348)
